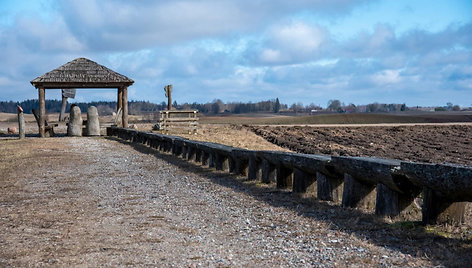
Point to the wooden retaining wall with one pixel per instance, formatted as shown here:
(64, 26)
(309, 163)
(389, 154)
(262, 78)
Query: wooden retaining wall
(431, 192)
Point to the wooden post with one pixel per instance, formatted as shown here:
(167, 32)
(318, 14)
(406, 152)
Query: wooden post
(357, 193)
(268, 172)
(42, 112)
(221, 162)
(205, 158)
(198, 155)
(168, 90)
(438, 209)
(329, 188)
(21, 122)
(125, 107)
(284, 177)
(66, 93)
(387, 201)
(63, 109)
(191, 153)
(241, 166)
(119, 100)
(254, 169)
(303, 182)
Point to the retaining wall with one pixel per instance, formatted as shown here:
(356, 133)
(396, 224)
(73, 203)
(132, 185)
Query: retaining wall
(431, 192)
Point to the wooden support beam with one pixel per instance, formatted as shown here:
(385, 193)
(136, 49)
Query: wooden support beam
(221, 162)
(437, 209)
(254, 169)
(191, 153)
(62, 114)
(329, 188)
(198, 156)
(21, 122)
(119, 100)
(125, 107)
(358, 194)
(303, 182)
(284, 177)
(42, 112)
(268, 172)
(205, 157)
(241, 166)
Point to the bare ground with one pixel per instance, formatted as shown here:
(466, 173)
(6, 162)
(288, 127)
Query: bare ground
(98, 202)
(441, 143)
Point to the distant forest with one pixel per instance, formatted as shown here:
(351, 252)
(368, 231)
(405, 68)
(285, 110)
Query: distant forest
(218, 107)
(144, 107)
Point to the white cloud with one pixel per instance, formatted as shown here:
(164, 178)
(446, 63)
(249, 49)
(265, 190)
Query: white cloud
(289, 43)
(387, 77)
(298, 37)
(271, 56)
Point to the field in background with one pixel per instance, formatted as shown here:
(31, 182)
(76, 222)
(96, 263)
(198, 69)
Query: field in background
(271, 119)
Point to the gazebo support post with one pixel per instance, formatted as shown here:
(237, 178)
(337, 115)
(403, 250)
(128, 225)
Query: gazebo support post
(119, 102)
(125, 107)
(42, 112)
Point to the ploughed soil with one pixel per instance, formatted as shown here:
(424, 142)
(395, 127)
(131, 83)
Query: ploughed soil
(420, 143)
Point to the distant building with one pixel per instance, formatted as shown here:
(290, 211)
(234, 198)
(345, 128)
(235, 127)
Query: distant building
(423, 109)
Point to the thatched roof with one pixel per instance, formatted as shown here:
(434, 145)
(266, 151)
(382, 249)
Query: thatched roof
(81, 72)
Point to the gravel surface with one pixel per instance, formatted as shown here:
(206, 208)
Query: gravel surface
(99, 202)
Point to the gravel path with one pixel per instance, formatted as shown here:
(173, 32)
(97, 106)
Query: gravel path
(98, 202)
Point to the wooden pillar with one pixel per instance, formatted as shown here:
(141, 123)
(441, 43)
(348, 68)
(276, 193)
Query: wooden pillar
(284, 177)
(198, 155)
(62, 114)
(119, 100)
(241, 166)
(205, 158)
(357, 194)
(125, 107)
(438, 209)
(191, 153)
(254, 169)
(268, 172)
(221, 162)
(303, 182)
(42, 111)
(21, 122)
(329, 188)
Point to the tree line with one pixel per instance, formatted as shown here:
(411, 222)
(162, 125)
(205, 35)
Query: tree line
(217, 106)
(140, 107)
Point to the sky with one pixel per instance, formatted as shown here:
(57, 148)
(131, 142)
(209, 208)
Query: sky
(310, 51)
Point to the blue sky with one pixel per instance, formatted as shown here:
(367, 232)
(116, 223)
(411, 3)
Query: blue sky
(414, 52)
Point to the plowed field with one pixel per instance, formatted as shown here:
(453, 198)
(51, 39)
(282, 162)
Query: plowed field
(420, 143)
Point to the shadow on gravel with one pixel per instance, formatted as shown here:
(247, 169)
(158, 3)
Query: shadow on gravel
(406, 237)
(30, 135)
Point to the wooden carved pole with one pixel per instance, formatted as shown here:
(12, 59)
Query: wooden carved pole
(63, 109)
(168, 90)
(42, 112)
(21, 122)
(66, 93)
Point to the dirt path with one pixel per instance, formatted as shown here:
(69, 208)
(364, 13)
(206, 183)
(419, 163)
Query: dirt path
(97, 202)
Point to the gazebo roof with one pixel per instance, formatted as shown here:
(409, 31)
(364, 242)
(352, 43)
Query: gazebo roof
(81, 73)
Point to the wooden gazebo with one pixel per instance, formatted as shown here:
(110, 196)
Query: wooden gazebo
(82, 73)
